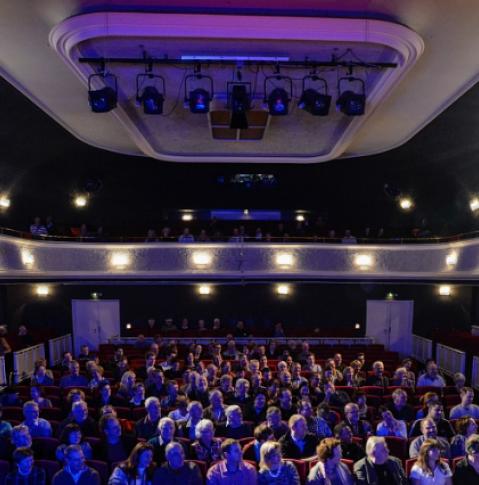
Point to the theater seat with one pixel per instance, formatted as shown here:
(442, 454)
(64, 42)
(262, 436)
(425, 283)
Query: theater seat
(4, 469)
(45, 447)
(101, 467)
(302, 467)
(201, 465)
(12, 412)
(398, 447)
(50, 467)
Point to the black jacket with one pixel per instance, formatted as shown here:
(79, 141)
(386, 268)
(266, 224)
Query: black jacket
(465, 474)
(366, 474)
(291, 450)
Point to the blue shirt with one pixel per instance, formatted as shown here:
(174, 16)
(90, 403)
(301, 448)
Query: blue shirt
(73, 381)
(40, 428)
(5, 429)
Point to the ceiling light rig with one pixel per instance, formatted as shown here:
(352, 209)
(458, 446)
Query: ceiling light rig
(149, 96)
(198, 99)
(278, 99)
(349, 102)
(104, 99)
(315, 102)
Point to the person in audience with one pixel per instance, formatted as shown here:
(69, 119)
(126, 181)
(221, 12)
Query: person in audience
(36, 396)
(466, 408)
(37, 426)
(74, 379)
(85, 354)
(19, 437)
(24, 339)
(176, 471)
(155, 383)
(273, 470)
(436, 413)
(216, 410)
(298, 442)
(80, 417)
(429, 468)
(378, 378)
(360, 398)
(408, 363)
(429, 431)
(165, 435)
(333, 397)
(181, 413)
(350, 449)
(359, 427)
(96, 376)
(350, 379)
(127, 388)
(103, 395)
(311, 365)
(186, 236)
(378, 467)
(467, 470)
(72, 435)
(465, 427)
(37, 228)
(234, 427)
(5, 426)
(399, 407)
(390, 426)
(40, 377)
(147, 427)
(138, 468)
(426, 401)
(431, 377)
(262, 433)
(459, 381)
(138, 398)
(25, 471)
(274, 421)
(4, 345)
(257, 412)
(114, 445)
(285, 404)
(150, 361)
(187, 428)
(67, 359)
(75, 471)
(402, 378)
(316, 424)
(329, 468)
(206, 447)
(120, 368)
(232, 470)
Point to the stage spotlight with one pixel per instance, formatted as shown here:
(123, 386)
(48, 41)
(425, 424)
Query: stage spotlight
(350, 102)
(239, 101)
(198, 99)
(104, 99)
(278, 102)
(187, 217)
(312, 100)
(150, 97)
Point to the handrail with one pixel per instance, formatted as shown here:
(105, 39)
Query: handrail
(57, 346)
(24, 362)
(274, 239)
(3, 372)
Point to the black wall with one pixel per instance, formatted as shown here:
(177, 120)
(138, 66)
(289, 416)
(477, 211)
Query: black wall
(337, 306)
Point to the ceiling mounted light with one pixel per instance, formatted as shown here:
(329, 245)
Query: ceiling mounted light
(239, 102)
(199, 98)
(406, 203)
(149, 96)
(451, 259)
(27, 257)
(363, 261)
(80, 201)
(445, 290)
(284, 259)
(187, 217)
(120, 260)
(201, 258)
(350, 102)
(312, 100)
(104, 99)
(204, 290)
(278, 99)
(300, 218)
(42, 290)
(474, 204)
(282, 289)
(4, 202)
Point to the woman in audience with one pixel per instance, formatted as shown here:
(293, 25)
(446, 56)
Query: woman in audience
(467, 470)
(138, 469)
(36, 395)
(40, 376)
(329, 470)
(138, 398)
(427, 400)
(360, 399)
(127, 387)
(273, 470)
(72, 435)
(206, 447)
(429, 469)
(465, 427)
(96, 374)
(390, 426)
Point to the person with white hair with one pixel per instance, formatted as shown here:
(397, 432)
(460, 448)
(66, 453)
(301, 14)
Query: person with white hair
(206, 447)
(147, 427)
(166, 433)
(378, 467)
(176, 471)
(235, 427)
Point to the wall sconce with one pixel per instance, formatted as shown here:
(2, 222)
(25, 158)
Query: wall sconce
(120, 260)
(451, 259)
(445, 290)
(202, 258)
(42, 290)
(204, 290)
(284, 260)
(363, 261)
(27, 257)
(283, 289)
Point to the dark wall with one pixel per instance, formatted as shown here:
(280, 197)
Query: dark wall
(329, 307)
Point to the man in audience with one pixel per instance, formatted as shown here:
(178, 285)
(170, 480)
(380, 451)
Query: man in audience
(147, 427)
(262, 433)
(350, 449)
(399, 407)
(115, 446)
(316, 424)
(467, 470)
(74, 379)
(85, 354)
(19, 438)
(79, 416)
(378, 467)
(286, 405)
(150, 361)
(25, 472)
(274, 421)
(234, 427)
(333, 397)
(166, 433)
(232, 470)
(436, 413)
(298, 442)
(378, 378)
(216, 410)
(75, 471)
(431, 378)
(37, 426)
(466, 408)
(359, 427)
(429, 431)
(176, 471)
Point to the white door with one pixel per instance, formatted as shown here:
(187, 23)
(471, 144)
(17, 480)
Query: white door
(94, 322)
(389, 322)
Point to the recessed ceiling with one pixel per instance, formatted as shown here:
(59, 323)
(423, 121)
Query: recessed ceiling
(395, 115)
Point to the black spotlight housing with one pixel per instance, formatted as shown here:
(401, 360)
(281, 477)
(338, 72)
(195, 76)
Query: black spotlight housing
(312, 100)
(278, 99)
(239, 101)
(150, 97)
(199, 99)
(104, 99)
(350, 102)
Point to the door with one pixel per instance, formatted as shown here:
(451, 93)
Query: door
(389, 322)
(94, 322)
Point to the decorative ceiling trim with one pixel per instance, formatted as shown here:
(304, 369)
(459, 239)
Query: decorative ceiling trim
(66, 36)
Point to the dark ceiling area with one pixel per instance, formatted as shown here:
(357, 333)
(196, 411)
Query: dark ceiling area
(42, 166)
